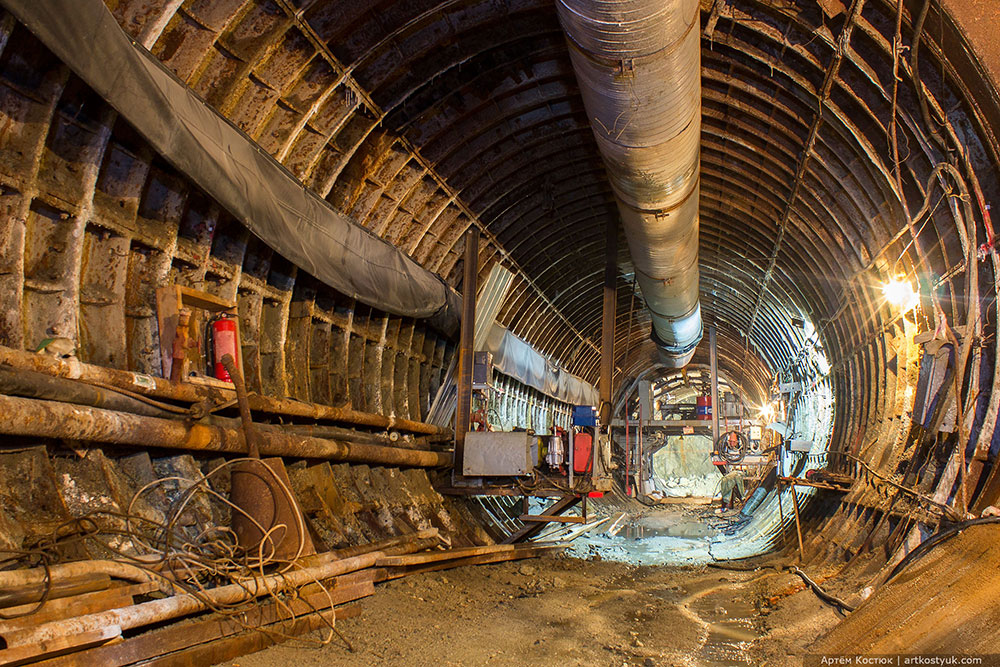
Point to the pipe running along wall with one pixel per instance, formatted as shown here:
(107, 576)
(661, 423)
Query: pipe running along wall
(638, 64)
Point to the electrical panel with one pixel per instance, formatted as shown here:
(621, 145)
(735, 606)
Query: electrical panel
(482, 370)
(498, 454)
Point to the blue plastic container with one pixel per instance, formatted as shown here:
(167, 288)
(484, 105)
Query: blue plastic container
(584, 415)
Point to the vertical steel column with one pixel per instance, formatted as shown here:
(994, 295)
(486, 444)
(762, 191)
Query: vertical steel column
(463, 408)
(608, 320)
(714, 362)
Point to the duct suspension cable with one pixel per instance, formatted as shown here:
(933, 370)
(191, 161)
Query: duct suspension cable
(832, 73)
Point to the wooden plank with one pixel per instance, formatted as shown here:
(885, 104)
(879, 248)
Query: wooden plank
(193, 298)
(22, 655)
(533, 528)
(520, 553)
(180, 636)
(228, 648)
(434, 556)
(78, 605)
(168, 305)
(551, 518)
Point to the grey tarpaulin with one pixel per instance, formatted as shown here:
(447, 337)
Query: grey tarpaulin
(516, 358)
(230, 167)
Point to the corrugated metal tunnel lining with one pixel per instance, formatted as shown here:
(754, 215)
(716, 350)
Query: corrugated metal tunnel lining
(800, 212)
(420, 120)
(418, 140)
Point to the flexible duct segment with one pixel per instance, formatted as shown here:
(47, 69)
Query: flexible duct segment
(638, 64)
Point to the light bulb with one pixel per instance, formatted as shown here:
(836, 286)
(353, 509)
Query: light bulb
(900, 293)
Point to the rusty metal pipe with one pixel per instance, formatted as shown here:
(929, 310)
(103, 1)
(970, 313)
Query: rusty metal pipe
(185, 392)
(246, 419)
(127, 571)
(156, 611)
(409, 543)
(32, 384)
(50, 419)
(340, 433)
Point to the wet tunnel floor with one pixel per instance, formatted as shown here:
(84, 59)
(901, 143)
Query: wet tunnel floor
(672, 534)
(573, 611)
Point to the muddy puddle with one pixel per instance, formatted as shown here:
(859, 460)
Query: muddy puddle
(671, 536)
(732, 625)
(665, 527)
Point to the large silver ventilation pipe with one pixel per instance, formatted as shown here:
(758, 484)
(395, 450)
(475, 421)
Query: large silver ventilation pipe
(638, 64)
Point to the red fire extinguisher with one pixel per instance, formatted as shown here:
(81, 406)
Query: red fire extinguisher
(223, 333)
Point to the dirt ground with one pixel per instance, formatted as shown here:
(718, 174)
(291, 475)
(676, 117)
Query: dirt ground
(570, 611)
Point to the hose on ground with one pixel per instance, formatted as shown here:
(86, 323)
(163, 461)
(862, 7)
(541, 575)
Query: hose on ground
(816, 588)
(935, 540)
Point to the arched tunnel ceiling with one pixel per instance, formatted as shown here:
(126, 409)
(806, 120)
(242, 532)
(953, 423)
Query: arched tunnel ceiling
(420, 118)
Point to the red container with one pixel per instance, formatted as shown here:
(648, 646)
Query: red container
(704, 408)
(223, 343)
(583, 447)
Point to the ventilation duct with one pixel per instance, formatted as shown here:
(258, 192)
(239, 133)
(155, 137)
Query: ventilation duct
(638, 64)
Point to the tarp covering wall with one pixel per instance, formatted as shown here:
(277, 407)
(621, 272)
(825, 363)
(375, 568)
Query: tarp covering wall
(231, 168)
(516, 358)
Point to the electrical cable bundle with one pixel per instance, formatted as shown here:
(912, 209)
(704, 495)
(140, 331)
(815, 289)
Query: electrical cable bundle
(732, 446)
(180, 560)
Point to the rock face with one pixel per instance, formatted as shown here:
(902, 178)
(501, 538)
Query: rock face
(45, 486)
(683, 467)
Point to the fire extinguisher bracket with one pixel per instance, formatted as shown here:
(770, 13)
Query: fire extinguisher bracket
(170, 300)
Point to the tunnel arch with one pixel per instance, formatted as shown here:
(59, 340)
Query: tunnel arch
(423, 119)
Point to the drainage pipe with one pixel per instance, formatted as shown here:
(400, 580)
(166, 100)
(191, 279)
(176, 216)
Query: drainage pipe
(638, 64)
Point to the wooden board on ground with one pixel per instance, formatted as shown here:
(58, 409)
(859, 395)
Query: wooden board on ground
(448, 554)
(226, 648)
(549, 518)
(78, 605)
(248, 642)
(521, 552)
(22, 655)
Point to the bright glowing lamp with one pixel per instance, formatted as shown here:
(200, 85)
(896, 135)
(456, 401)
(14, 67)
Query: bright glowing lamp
(900, 293)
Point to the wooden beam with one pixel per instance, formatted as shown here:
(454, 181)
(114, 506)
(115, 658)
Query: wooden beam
(523, 551)
(85, 603)
(549, 518)
(534, 528)
(436, 556)
(159, 644)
